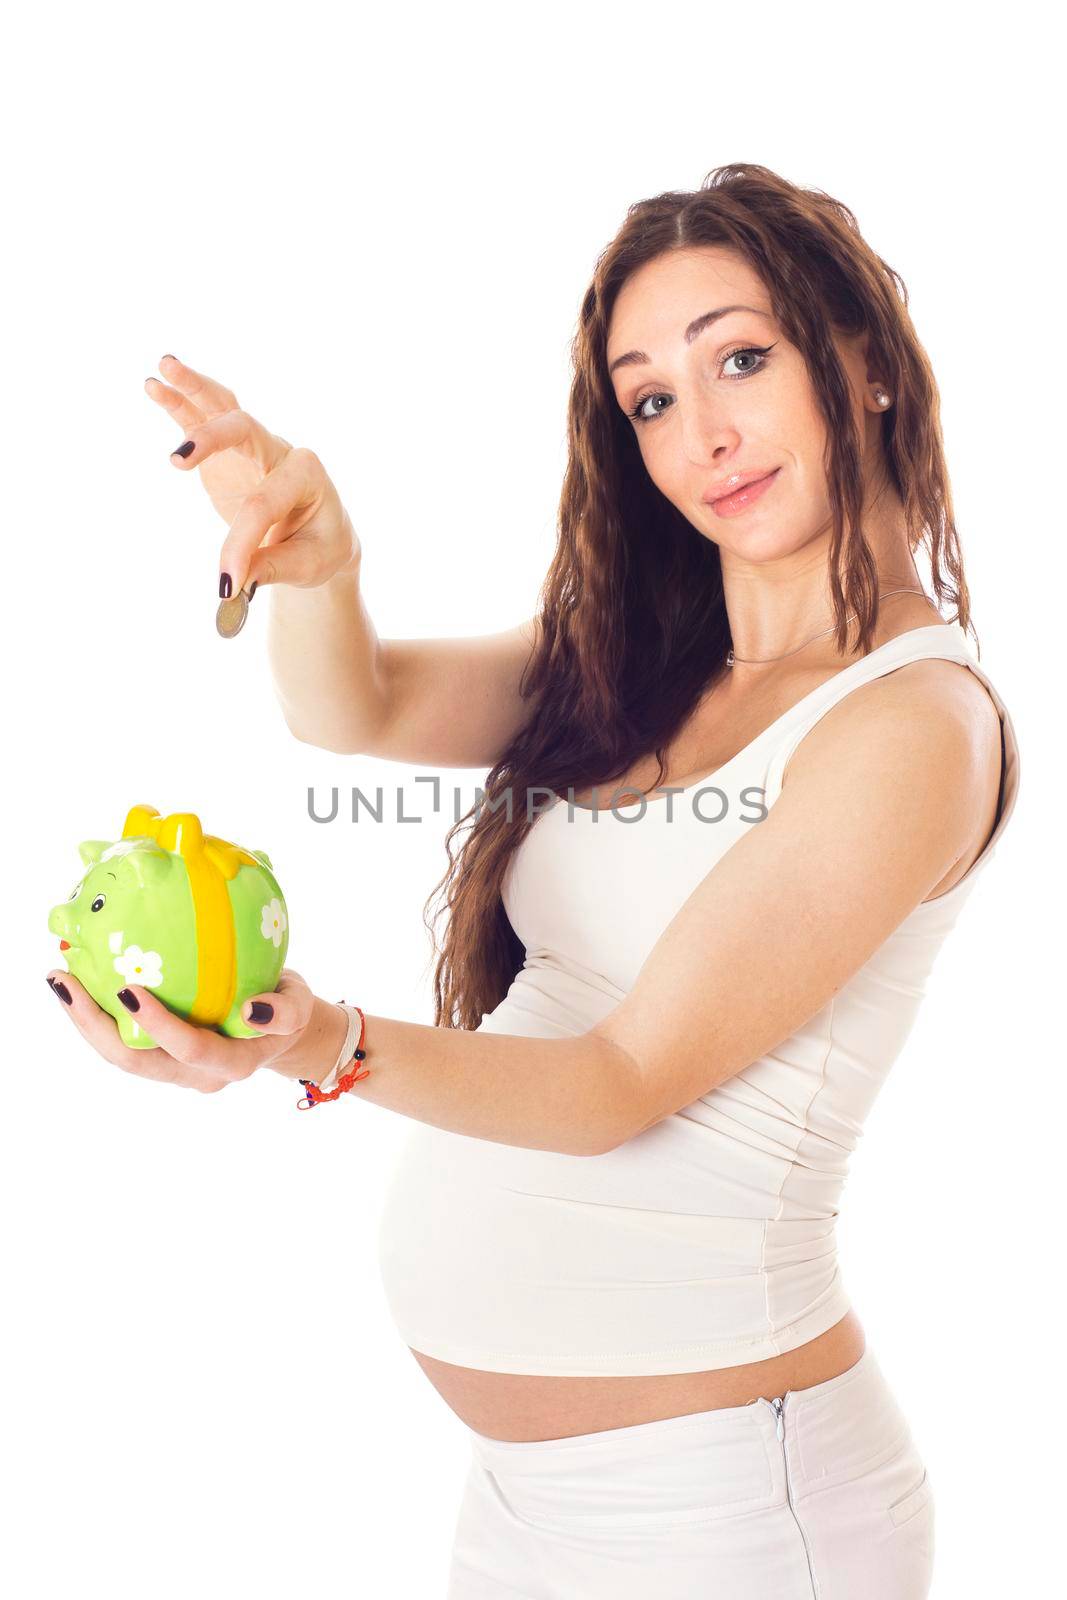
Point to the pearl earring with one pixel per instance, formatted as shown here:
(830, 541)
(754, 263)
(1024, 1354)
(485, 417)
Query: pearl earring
(881, 397)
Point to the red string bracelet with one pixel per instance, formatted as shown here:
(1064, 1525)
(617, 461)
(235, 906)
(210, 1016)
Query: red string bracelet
(315, 1095)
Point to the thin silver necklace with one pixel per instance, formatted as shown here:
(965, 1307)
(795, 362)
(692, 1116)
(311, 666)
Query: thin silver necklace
(759, 661)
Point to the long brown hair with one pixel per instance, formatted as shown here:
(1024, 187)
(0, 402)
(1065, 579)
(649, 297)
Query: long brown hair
(633, 625)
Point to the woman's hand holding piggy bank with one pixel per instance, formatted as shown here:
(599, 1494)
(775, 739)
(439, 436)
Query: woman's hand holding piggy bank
(173, 934)
(300, 1038)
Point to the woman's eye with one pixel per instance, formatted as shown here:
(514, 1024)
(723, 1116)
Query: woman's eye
(735, 355)
(98, 903)
(637, 415)
(748, 351)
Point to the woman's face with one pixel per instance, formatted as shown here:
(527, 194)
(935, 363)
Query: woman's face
(734, 397)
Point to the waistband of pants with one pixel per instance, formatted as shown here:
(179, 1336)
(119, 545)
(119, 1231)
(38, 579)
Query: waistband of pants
(720, 1422)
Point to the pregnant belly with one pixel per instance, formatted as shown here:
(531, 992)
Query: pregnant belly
(521, 1407)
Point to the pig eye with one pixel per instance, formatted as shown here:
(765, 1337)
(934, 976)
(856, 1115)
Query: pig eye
(75, 892)
(98, 903)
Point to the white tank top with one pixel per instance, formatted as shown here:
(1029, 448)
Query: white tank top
(708, 1240)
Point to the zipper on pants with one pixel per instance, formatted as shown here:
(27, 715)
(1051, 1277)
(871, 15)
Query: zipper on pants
(778, 1408)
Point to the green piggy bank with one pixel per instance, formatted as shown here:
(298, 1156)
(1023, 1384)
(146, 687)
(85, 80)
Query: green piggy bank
(197, 920)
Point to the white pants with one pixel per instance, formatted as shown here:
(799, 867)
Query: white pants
(822, 1496)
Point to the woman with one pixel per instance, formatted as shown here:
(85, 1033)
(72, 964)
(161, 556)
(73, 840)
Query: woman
(610, 1239)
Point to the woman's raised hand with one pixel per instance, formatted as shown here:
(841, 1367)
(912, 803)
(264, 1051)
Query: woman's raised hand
(286, 520)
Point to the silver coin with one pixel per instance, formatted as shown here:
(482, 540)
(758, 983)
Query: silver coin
(230, 617)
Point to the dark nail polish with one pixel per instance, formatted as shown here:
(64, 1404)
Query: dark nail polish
(185, 449)
(168, 357)
(261, 1012)
(60, 989)
(129, 1000)
(253, 589)
(225, 586)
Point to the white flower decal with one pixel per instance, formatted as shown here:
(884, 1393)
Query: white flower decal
(140, 966)
(273, 922)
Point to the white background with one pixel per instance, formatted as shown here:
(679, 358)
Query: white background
(378, 232)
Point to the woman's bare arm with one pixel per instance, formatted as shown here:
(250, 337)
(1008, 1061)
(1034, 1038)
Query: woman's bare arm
(448, 702)
(445, 702)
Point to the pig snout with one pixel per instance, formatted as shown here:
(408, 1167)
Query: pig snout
(61, 922)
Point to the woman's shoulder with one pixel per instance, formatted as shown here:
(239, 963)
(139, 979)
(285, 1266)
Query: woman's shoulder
(926, 702)
(941, 691)
(929, 728)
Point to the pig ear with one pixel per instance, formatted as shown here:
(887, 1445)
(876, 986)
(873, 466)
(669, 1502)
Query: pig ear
(91, 850)
(151, 864)
(263, 858)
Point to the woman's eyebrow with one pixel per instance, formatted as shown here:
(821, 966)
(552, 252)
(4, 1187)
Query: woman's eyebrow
(637, 358)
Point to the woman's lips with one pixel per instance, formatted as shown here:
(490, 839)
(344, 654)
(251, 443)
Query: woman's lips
(731, 504)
